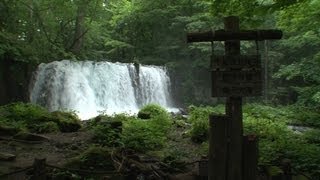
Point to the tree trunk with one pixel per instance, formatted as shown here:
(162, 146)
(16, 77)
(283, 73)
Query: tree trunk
(79, 28)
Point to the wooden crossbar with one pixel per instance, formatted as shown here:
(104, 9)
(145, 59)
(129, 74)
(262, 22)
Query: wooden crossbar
(223, 35)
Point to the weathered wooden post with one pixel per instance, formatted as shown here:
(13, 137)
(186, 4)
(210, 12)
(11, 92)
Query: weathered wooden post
(233, 76)
(250, 157)
(218, 138)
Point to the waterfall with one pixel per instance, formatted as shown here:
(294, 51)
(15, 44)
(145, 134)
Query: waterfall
(90, 88)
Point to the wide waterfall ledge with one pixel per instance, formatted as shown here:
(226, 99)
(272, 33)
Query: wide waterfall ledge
(91, 88)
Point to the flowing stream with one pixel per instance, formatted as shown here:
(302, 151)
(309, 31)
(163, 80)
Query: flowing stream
(90, 88)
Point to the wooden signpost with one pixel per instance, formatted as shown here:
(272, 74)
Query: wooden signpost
(233, 76)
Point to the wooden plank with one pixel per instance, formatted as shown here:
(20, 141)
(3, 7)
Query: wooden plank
(236, 62)
(236, 83)
(218, 147)
(229, 34)
(237, 76)
(250, 157)
(237, 91)
(234, 110)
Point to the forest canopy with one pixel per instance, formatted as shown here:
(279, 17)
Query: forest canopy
(154, 32)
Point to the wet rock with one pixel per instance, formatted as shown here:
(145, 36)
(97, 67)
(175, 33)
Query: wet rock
(7, 157)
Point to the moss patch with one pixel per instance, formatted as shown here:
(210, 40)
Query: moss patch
(36, 119)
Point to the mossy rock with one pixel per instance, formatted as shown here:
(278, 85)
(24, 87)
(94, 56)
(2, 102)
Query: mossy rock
(8, 131)
(152, 110)
(94, 158)
(66, 121)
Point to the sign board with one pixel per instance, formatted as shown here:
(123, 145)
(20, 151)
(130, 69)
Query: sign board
(236, 76)
(235, 62)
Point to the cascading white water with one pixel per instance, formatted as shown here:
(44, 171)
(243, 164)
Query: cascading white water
(91, 87)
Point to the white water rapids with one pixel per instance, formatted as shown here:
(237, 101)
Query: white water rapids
(90, 88)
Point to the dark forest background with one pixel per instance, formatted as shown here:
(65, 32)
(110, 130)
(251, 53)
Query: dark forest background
(154, 32)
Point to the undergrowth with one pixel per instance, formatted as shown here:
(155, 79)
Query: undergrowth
(270, 124)
(36, 119)
(141, 135)
(276, 140)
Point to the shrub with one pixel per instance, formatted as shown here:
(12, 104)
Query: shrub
(304, 117)
(23, 111)
(107, 129)
(146, 135)
(143, 135)
(44, 127)
(108, 133)
(67, 121)
(312, 136)
(152, 110)
(137, 134)
(277, 142)
(199, 118)
(95, 157)
(36, 119)
(25, 116)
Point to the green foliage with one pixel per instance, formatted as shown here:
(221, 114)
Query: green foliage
(258, 111)
(67, 121)
(44, 127)
(303, 116)
(27, 117)
(137, 134)
(107, 129)
(276, 140)
(312, 136)
(146, 135)
(143, 136)
(151, 111)
(299, 66)
(95, 158)
(199, 118)
(34, 118)
(21, 111)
